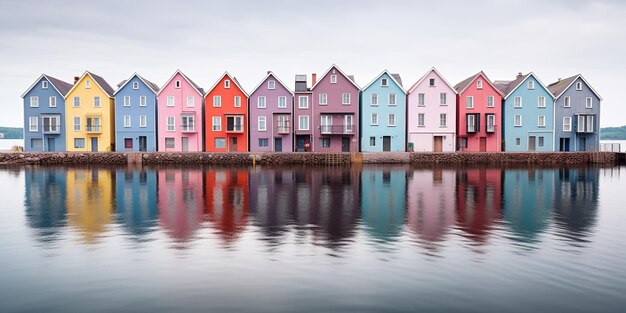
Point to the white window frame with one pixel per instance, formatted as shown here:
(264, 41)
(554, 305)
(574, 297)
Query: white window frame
(348, 122)
(471, 123)
(579, 86)
(282, 102)
(126, 101)
(216, 123)
(261, 102)
(479, 84)
(143, 121)
(265, 141)
(541, 102)
(323, 98)
(34, 102)
(567, 102)
(33, 124)
(384, 82)
(374, 119)
(469, 102)
(190, 124)
(517, 102)
(237, 101)
(345, 98)
(421, 120)
(271, 84)
(431, 82)
(52, 101)
(87, 84)
(135, 85)
(178, 84)
(390, 97)
(191, 102)
(541, 121)
(391, 120)
(567, 124)
(531, 85)
(171, 101)
(333, 79)
(127, 121)
(76, 102)
(491, 123)
(97, 102)
(443, 120)
(517, 120)
(306, 120)
(491, 101)
(76, 123)
(227, 84)
(326, 123)
(143, 101)
(589, 123)
(421, 99)
(170, 123)
(443, 98)
(217, 101)
(589, 103)
(54, 123)
(374, 99)
(262, 123)
(44, 84)
(580, 127)
(303, 102)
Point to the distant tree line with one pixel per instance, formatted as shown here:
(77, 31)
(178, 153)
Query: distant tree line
(12, 132)
(613, 133)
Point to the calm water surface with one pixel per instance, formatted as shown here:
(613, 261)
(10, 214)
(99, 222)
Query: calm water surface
(376, 239)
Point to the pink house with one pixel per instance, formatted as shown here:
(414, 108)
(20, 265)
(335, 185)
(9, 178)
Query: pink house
(180, 201)
(180, 104)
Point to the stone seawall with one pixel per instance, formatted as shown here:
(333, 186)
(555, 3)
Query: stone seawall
(305, 158)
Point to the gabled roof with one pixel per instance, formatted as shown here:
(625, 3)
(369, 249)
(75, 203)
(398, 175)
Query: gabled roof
(148, 83)
(509, 87)
(61, 87)
(270, 73)
(104, 86)
(232, 79)
(393, 78)
(350, 78)
(559, 87)
(426, 75)
(198, 89)
(460, 87)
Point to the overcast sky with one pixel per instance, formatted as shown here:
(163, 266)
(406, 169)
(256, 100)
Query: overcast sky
(205, 38)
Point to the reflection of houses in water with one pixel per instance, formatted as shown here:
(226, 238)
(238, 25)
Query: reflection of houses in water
(275, 198)
(576, 203)
(45, 200)
(528, 200)
(179, 201)
(135, 199)
(226, 201)
(478, 201)
(431, 202)
(383, 201)
(89, 200)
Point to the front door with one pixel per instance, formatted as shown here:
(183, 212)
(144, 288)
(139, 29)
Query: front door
(278, 145)
(532, 143)
(438, 144)
(94, 144)
(143, 143)
(185, 143)
(345, 144)
(582, 144)
(386, 143)
(51, 146)
(300, 141)
(564, 144)
(233, 144)
(483, 144)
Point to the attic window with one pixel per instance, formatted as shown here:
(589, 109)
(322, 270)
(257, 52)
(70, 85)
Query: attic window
(431, 82)
(333, 79)
(579, 86)
(135, 85)
(178, 84)
(227, 83)
(479, 84)
(531, 85)
(384, 82)
(88, 84)
(44, 84)
(271, 84)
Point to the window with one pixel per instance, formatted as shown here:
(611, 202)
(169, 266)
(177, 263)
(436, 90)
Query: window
(262, 124)
(384, 82)
(216, 123)
(234, 123)
(263, 143)
(541, 121)
(227, 83)
(188, 123)
(303, 102)
(77, 124)
(34, 102)
(52, 102)
(178, 84)
(333, 79)
(44, 85)
(420, 120)
(590, 123)
(531, 84)
(421, 99)
(170, 101)
(170, 121)
(142, 101)
(541, 141)
(325, 142)
(135, 85)
(392, 99)
(126, 121)
(79, 143)
(220, 143)
(374, 99)
(33, 124)
(237, 100)
(282, 102)
(372, 141)
(260, 102)
(443, 120)
(391, 120)
(431, 82)
(283, 124)
(491, 123)
(126, 101)
(579, 86)
(190, 102)
(96, 102)
(128, 143)
(271, 84)
(303, 122)
(471, 123)
(479, 84)
(345, 98)
(88, 84)
(567, 124)
(462, 143)
(51, 124)
(490, 101)
(76, 102)
(323, 99)
(374, 119)
(518, 102)
(443, 98)
(170, 143)
(518, 141)
(541, 102)
(517, 121)
(217, 101)
(349, 126)
(588, 103)
(143, 121)
(566, 102)
(469, 102)
(585, 124)
(326, 124)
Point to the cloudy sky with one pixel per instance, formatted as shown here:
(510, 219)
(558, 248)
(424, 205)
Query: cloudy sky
(205, 38)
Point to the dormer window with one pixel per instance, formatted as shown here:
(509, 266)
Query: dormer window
(88, 84)
(333, 79)
(531, 85)
(44, 85)
(384, 82)
(135, 85)
(271, 84)
(178, 84)
(479, 84)
(431, 82)
(579, 86)
(227, 83)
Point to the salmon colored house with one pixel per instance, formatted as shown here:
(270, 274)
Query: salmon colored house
(226, 116)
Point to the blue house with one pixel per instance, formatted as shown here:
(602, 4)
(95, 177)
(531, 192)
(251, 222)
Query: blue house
(44, 115)
(136, 201)
(383, 212)
(528, 113)
(135, 115)
(577, 114)
(383, 114)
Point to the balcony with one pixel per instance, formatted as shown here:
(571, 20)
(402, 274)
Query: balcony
(337, 129)
(94, 129)
(52, 129)
(283, 130)
(234, 128)
(188, 128)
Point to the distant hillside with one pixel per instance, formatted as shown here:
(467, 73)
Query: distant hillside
(12, 132)
(613, 133)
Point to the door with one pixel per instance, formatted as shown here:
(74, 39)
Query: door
(143, 143)
(94, 144)
(300, 141)
(532, 143)
(386, 143)
(51, 145)
(185, 143)
(345, 144)
(582, 144)
(233, 144)
(564, 144)
(278, 145)
(483, 144)
(438, 144)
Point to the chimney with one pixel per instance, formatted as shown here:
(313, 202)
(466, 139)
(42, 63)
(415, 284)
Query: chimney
(313, 79)
(519, 74)
(268, 72)
(76, 78)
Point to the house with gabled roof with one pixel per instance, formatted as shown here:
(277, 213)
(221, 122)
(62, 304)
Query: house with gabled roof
(180, 106)
(271, 118)
(90, 114)
(135, 115)
(432, 119)
(576, 115)
(479, 115)
(383, 114)
(226, 116)
(528, 114)
(44, 115)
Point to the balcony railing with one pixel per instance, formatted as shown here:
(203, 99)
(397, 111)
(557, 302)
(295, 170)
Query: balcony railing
(93, 129)
(52, 129)
(188, 128)
(234, 128)
(337, 129)
(283, 130)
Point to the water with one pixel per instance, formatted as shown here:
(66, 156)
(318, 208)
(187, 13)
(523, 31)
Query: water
(380, 239)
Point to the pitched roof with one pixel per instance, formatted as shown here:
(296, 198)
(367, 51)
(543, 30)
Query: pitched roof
(148, 83)
(98, 80)
(61, 87)
(393, 78)
(460, 87)
(508, 87)
(198, 89)
(397, 77)
(270, 73)
(232, 79)
(349, 77)
(559, 87)
(502, 84)
(417, 83)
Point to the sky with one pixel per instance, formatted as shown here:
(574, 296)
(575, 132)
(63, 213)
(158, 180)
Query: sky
(114, 39)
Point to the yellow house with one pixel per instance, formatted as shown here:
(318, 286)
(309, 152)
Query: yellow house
(89, 115)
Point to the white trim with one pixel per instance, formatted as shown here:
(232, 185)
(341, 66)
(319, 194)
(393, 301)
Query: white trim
(178, 84)
(44, 84)
(237, 101)
(530, 85)
(144, 100)
(127, 121)
(271, 84)
(140, 78)
(568, 103)
(36, 83)
(97, 102)
(143, 121)
(126, 103)
(30, 102)
(374, 96)
(588, 103)
(135, 85)
(467, 102)
(167, 101)
(539, 119)
(193, 102)
(573, 81)
(579, 86)
(485, 78)
(50, 101)
(270, 73)
(515, 124)
(526, 79)
(419, 82)
(167, 123)
(333, 78)
(325, 98)
(423, 119)
(341, 72)
(299, 102)
(261, 104)
(445, 118)
(308, 122)
(262, 120)
(479, 84)
(74, 102)
(78, 83)
(493, 101)
(390, 76)
(282, 106)
(539, 102)
(395, 99)
(374, 119)
(233, 80)
(76, 119)
(218, 103)
(33, 127)
(227, 84)
(390, 117)
(219, 124)
(343, 98)
(185, 77)
(517, 104)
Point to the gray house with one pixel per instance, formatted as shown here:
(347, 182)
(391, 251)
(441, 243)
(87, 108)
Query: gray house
(576, 115)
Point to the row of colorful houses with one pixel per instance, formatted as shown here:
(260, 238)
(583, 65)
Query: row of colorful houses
(332, 114)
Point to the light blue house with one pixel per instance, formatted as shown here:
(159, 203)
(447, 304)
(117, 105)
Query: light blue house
(44, 115)
(135, 115)
(383, 114)
(528, 113)
(383, 212)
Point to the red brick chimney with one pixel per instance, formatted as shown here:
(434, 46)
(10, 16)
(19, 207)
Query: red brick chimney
(76, 78)
(313, 79)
